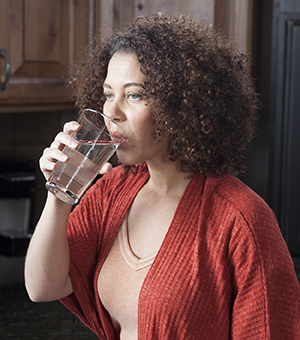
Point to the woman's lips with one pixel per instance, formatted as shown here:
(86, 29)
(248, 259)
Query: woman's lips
(118, 137)
(123, 142)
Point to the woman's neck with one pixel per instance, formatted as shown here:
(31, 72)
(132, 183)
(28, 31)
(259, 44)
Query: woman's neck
(166, 178)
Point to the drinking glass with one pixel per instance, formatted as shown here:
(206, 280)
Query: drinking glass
(97, 144)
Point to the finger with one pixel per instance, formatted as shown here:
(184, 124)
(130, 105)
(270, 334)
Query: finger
(47, 166)
(66, 136)
(106, 167)
(49, 159)
(71, 127)
(63, 139)
(54, 155)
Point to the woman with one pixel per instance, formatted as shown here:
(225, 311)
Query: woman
(170, 245)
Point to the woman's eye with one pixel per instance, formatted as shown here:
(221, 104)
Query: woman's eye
(134, 96)
(108, 96)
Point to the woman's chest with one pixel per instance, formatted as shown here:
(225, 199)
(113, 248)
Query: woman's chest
(119, 284)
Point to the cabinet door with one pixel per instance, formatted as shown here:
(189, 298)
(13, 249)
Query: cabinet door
(41, 39)
(197, 9)
(114, 14)
(284, 183)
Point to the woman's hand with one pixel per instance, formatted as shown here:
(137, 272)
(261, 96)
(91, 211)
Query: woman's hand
(106, 167)
(52, 154)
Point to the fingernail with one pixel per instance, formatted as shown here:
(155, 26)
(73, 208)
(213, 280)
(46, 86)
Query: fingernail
(64, 158)
(74, 144)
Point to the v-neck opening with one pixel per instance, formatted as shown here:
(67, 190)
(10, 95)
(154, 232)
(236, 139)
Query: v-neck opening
(128, 255)
(158, 257)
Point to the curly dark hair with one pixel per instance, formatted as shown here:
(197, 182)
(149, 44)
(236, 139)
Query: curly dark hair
(199, 87)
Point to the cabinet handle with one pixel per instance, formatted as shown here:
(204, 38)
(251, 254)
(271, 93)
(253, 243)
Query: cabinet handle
(7, 69)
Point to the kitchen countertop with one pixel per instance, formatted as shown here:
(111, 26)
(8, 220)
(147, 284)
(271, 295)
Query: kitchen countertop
(22, 319)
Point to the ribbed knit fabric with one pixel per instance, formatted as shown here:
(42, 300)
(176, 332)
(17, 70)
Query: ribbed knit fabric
(222, 272)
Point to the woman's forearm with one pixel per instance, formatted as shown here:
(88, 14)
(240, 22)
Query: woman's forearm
(47, 260)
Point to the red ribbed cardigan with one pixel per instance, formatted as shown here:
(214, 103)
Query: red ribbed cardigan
(222, 272)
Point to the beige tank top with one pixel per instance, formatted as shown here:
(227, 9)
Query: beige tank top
(119, 284)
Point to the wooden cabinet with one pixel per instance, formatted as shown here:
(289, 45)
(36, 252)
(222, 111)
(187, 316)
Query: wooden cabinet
(41, 39)
(284, 183)
(194, 8)
(114, 14)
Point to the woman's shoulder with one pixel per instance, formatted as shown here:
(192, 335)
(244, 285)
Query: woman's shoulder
(237, 211)
(237, 193)
(233, 197)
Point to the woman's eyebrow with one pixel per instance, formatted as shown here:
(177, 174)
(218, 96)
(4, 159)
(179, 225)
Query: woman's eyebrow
(125, 85)
(132, 84)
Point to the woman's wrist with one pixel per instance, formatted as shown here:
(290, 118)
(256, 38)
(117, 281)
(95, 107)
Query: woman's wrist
(57, 203)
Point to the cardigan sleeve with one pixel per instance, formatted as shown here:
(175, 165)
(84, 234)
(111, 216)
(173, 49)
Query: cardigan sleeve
(83, 237)
(266, 303)
(92, 228)
(86, 231)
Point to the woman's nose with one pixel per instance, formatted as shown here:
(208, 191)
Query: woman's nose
(114, 111)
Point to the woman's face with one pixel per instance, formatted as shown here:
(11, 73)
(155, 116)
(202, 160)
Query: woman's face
(125, 103)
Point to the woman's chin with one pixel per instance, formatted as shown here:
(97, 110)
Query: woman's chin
(125, 159)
